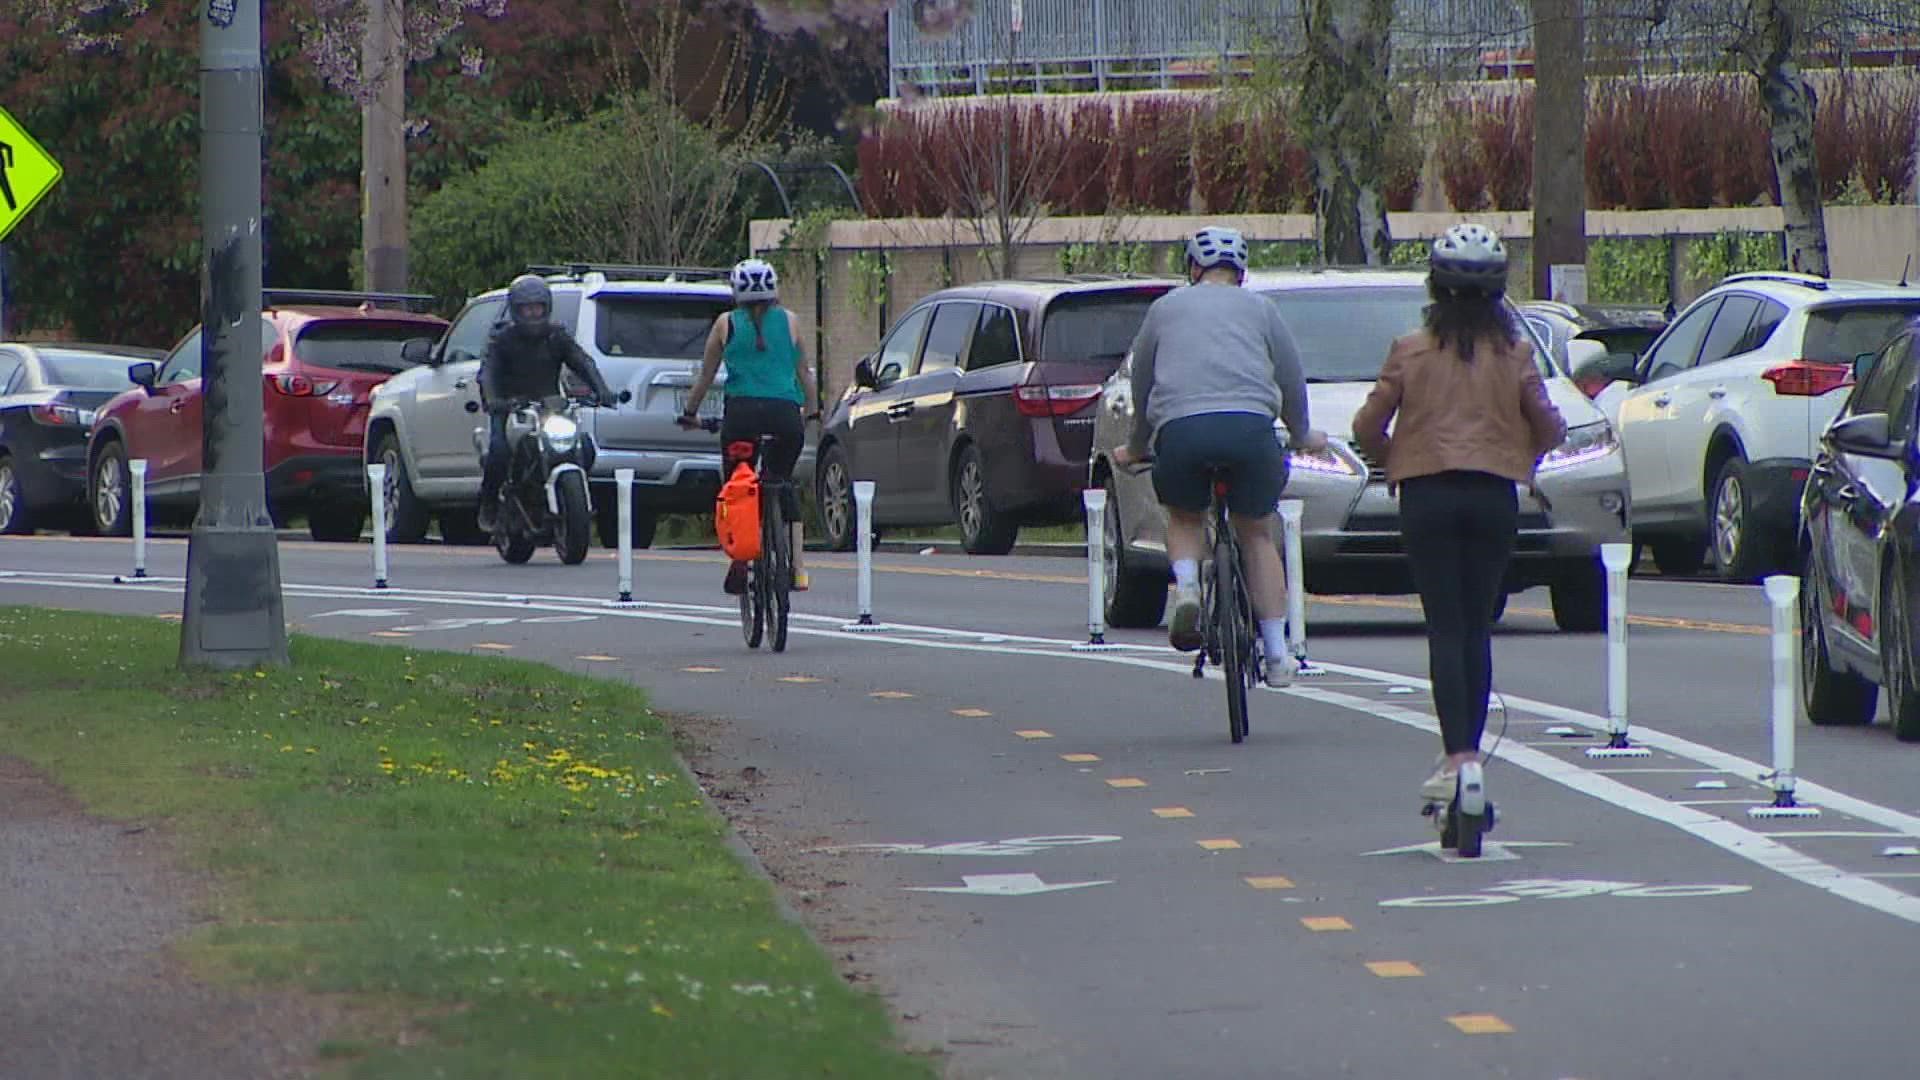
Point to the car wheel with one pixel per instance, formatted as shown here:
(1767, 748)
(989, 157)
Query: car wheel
(835, 493)
(1500, 605)
(1832, 698)
(336, 522)
(110, 492)
(1580, 599)
(1677, 556)
(983, 530)
(1739, 551)
(407, 516)
(13, 501)
(606, 520)
(462, 527)
(1896, 659)
(1134, 599)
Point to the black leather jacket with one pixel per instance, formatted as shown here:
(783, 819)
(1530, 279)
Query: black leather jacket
(520, 365)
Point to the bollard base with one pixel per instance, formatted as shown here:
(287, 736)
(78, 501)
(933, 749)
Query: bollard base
(1307, 668)
(624, 598)
(1618, 751)
(864, 628)
(1783, 811)
(379, 583)
(1098, 646)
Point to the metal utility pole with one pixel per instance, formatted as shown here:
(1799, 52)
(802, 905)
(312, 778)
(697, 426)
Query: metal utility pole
(234, 616)
(383, 148)
(1559, 141)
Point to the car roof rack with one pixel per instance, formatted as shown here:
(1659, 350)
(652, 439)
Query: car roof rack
(623, 272)
(1810, 281)
(343, 298)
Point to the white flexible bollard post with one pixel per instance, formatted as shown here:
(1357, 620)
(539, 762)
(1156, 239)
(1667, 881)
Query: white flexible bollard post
(863, 547)
(377, 487)
(1617, 560)
(1783, 596)
(623, 479)
(1291, 511)
(1095, 501)
(138, 469)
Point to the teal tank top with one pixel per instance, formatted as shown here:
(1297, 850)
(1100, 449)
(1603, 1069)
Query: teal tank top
(762, 373)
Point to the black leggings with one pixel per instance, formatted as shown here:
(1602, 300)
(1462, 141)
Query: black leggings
(1458, 528)
(748, 418)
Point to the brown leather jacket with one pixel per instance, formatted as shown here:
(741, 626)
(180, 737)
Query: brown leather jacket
(1491, 415)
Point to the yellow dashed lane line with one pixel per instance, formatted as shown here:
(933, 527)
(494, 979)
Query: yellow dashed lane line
(1480, 1024)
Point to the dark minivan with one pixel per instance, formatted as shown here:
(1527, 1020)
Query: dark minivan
(977, 409)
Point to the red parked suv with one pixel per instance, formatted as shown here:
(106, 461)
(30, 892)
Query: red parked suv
(322, 358)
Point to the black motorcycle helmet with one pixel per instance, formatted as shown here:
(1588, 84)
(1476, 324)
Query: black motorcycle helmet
(530, 302)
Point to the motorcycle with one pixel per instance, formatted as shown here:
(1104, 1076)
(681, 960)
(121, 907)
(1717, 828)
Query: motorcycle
(545, 498)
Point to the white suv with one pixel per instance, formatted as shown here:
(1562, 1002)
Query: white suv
(1720, 415)
(645, 327)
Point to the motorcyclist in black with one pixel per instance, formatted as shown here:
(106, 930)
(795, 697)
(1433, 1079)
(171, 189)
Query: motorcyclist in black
(523, 360)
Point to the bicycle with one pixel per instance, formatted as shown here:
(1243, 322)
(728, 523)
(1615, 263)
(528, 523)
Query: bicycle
(1230, 637)
(767, 600)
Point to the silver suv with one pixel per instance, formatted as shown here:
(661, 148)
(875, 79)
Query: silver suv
(646, 328)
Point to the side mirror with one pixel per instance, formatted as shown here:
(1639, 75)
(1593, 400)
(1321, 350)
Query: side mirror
(1861, 364)
(143, 374)
(863, 374)
(1866, 433)
(626, 396)
(417, 351)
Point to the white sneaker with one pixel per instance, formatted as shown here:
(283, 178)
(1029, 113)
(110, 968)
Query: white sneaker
(1440, 786)
(1280, 672)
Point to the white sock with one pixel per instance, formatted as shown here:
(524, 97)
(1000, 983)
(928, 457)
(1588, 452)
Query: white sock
(1186, 575)
(1273, 634)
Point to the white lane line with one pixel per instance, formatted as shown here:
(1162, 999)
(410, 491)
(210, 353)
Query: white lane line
(1754, 846)
(1760, 848)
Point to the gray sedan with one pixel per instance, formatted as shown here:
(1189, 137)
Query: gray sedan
(1344, 322)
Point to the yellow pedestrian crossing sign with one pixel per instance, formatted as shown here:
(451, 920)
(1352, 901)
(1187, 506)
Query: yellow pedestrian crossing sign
(27, 173)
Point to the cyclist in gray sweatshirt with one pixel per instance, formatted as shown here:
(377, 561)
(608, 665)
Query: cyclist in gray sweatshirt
(1213, 367)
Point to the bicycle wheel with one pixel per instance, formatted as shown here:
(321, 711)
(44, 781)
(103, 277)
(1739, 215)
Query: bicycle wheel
(752, 609)
(1228, 624)
(779, 575)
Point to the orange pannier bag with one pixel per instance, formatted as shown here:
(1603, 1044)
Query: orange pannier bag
(736, 515)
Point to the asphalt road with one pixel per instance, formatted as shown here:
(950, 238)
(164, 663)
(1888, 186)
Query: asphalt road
(1233, 911)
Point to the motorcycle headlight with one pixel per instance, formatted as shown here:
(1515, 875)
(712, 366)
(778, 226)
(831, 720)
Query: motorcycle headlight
(1583, 444)
(560, 432)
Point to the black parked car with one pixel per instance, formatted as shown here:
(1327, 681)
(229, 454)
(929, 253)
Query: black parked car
(48, 393)
(978, 408)
(1860, 546)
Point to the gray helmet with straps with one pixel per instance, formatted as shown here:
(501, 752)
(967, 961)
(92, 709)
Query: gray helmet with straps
(1469, 257)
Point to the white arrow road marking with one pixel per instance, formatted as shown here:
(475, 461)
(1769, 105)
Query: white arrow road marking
(1489, 852)
(453, 624)
(367, 613)
(1019, 845)
(1004, 885)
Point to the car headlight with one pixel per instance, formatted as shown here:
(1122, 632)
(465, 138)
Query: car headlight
(560, 432)
(1583, 444)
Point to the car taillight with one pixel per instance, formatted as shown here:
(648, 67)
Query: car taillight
(1807, 378)
(56, 415)
(301, 386)
(1040, 400)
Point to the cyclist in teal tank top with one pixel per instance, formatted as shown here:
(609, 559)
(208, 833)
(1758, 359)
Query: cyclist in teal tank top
(768, 385)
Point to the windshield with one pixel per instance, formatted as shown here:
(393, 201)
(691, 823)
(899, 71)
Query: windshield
(360, 345)
(87, 371)
(656, 327)
(1094, 327)
(1836, 335)
(1344, 334)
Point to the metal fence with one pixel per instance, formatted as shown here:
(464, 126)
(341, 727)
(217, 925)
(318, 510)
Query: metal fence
(962, 47)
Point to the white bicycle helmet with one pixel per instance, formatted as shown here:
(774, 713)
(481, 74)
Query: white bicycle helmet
(1217, 245)
(1469, 257)
(753, 280)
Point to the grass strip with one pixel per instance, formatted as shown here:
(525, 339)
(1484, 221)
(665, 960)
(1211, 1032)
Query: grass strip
(502, 855)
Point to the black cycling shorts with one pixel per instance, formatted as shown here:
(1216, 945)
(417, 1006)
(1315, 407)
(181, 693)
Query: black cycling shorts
(746, 419)
(1243, 444)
